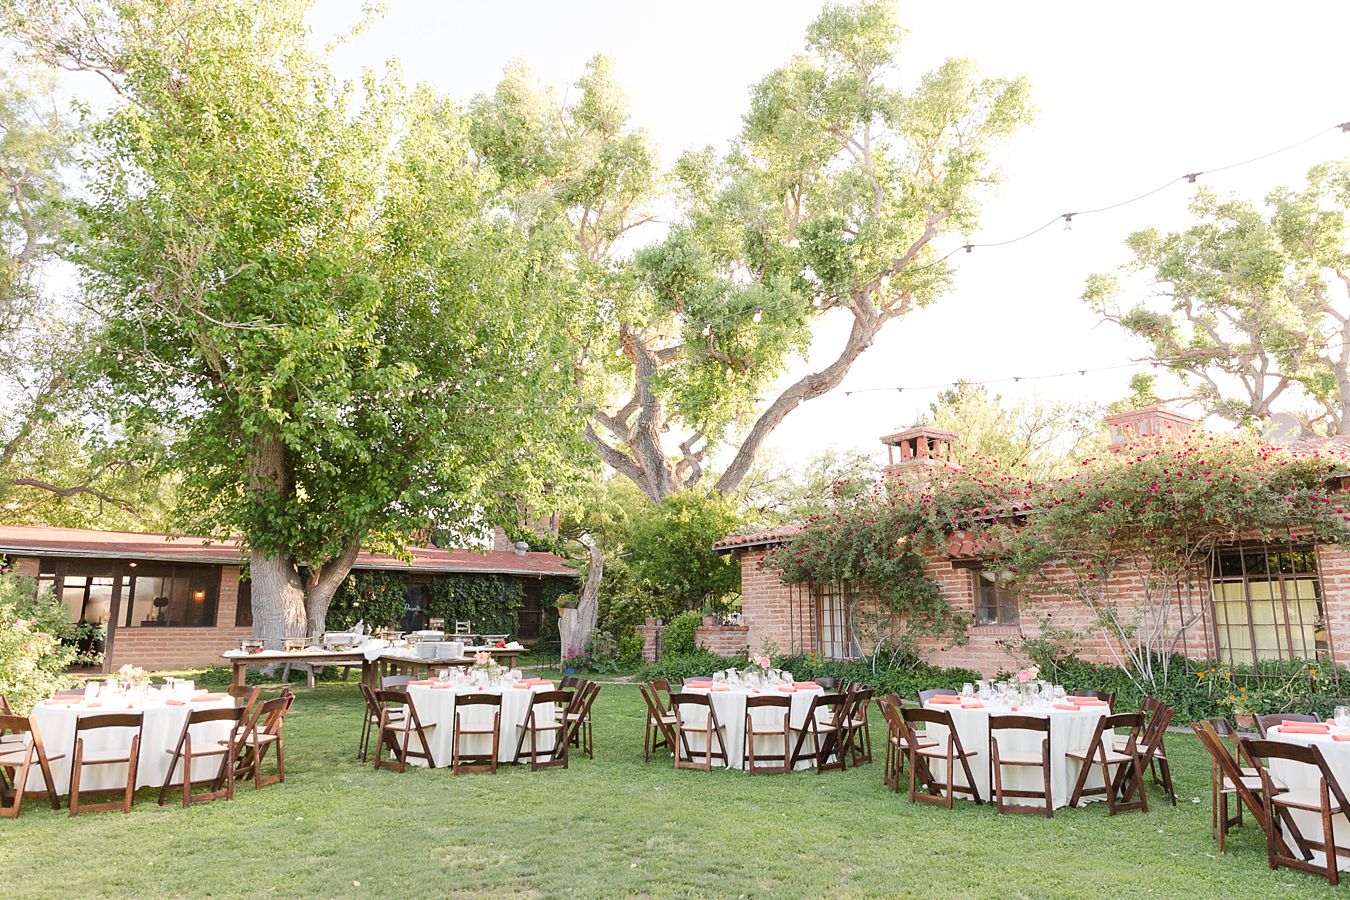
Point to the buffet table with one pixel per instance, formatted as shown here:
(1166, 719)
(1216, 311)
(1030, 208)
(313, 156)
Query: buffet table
(375, 663)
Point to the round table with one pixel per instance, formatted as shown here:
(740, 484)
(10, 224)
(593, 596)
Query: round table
(729, 705)
(164, 715)
(1071, 731)
(435, 705)
(1296, 776)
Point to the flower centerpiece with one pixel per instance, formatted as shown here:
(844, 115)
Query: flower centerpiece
(1027, 675)
(129, 677)
(485, 668)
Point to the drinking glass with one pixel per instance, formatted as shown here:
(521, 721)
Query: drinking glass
(91, 690)
(1342, 717)
(719, 678)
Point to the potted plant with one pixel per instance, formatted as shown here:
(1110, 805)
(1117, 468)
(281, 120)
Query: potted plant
(1242, 707)
(566, 601)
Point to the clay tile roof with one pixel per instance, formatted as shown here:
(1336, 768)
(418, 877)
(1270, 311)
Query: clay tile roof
(779, 535)
(79, 542)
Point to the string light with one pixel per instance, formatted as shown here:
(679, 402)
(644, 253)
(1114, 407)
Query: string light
(758, 316)
(1068, 221)
(707, 329)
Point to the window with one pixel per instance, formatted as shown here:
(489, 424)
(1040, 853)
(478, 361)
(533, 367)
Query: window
(1267, 604)
(834, 629)
(88, 589)
(172, 596)
(995, 600)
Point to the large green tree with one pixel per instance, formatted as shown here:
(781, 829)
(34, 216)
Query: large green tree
(829, 202)
(1250, 305)
(309, 293)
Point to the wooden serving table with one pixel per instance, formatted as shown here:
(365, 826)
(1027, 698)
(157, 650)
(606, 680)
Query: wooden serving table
(371, 671)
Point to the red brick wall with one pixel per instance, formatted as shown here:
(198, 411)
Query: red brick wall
(770, 609)
(651, 640)
(724, 640)
(767, 609)
(178, 648)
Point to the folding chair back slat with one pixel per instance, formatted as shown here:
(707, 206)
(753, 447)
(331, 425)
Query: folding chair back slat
(1119, 761)
(998, 758)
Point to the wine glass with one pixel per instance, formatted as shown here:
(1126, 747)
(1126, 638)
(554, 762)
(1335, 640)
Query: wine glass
(719, 678)
(1342, 717)
(967, 690)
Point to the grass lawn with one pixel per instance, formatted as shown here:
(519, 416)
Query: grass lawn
(616, 826)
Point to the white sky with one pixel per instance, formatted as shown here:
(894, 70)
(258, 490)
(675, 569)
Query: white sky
(1129, 95)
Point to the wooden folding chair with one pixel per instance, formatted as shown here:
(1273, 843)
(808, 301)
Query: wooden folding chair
(266, 730)
(371, 720)
(1229, 778)
(711, 730)
(578, 718)
(16, 759)
(185, 752)
(1326, 799)
(829, 735)
(920, 772)
(397, 723)
(1111, 758)
(15, 739)
(749, 756)
(83, 758)
(859, 732)
(998, 758)
(1151, 746)
(661, 689)
(534, 728)
(477, 762)
(659, 730)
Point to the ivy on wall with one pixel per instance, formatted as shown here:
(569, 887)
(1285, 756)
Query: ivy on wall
(490, 602)
(373, 597)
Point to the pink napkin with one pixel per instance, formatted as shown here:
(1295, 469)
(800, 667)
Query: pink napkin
(1304, 728)
(719, 688)
(1285, 723)
(699, 684)
(1340, 737)
(945, 698)
(785, 688)
(442, 686)
(521, 686)
(1088, 701)
(426, 682)
(546, 685)
(805, 685)
(172, 702)
(207, 698)
(974, 705)
(1069, 707)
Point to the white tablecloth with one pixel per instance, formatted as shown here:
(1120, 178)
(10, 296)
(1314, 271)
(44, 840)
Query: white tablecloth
(730, 708)
(436, 706)
(1069, 732)
(1300, 777)
(159, 736)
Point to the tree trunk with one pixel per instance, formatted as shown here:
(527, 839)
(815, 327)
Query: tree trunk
(323, 584)
(278, 599)
(588, 601)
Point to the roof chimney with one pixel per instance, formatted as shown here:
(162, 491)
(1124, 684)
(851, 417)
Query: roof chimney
(918, 450)
(1150, 422)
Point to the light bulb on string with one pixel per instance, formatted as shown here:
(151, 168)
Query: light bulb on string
(707, 329)
(1068, 221)
(758, 316)
(885, 280)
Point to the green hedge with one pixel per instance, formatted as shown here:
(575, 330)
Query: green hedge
(678, 639)
(675, 668)
(1200, 689)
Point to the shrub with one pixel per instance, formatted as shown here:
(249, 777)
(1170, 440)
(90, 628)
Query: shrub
(490, 602)
(675, 668)
(33, 657)
(679, 636)
(906, 678)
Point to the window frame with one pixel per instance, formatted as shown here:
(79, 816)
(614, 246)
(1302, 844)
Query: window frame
(1288, 650)
(1005, 598)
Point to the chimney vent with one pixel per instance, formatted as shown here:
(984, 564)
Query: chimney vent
(919, 449)
(1150, 422)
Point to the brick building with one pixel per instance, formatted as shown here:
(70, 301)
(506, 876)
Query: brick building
(176, 602)
(1255, 602)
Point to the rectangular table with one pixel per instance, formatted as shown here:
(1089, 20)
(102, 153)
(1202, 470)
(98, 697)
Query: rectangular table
(371, 670)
